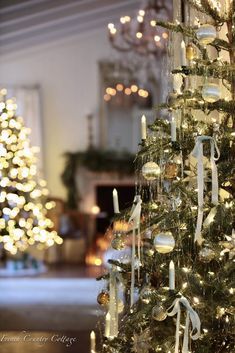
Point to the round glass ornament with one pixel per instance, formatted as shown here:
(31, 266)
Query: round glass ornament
(206, 254)
(211, 92)
(164, 242)
(151, 171)
(118, 243)
(159, 313)
(103, 298)
(206, 34)
(146, 293)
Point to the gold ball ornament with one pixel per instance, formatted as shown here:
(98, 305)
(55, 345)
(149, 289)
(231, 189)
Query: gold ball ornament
(151, 171)
(206, 34)
(159, 313)
(207, 254)
(171, 171)
(211, 92)
(118, 243)
(191, 52)
(103, 298)
(164, 242)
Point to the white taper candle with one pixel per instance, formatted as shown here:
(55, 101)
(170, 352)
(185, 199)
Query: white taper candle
(115, 201)
(183, 53)
(143, 127)
(172, 275)
(107, 325)
(92, 339)
(173, 129)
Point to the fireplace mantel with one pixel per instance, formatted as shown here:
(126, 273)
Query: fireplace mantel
(87, 182)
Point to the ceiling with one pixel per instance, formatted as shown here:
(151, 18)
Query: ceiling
(24, 23)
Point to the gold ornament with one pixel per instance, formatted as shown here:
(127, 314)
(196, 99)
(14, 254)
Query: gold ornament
(206, 254)
(151, 171)
(164, 242)
(118, 243)
(159, 313)
(170, 171)
(190, 52)
(103, 298)
(211, 92)
(206, 34)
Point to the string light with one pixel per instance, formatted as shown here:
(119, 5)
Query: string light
(120, 88)
(23, 223)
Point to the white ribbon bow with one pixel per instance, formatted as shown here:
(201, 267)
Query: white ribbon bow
(198, 153)
(190, 316)
(135, 217)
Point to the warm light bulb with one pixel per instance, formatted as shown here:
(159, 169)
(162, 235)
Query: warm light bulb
(139, 35)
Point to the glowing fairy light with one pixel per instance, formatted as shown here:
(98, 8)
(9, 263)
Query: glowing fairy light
(23, 223)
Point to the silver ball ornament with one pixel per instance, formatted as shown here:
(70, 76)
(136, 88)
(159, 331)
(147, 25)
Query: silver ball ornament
(118, 243)
(151, 171)
(206, 34)
(146, 293)
(211, 92)
(164, 242)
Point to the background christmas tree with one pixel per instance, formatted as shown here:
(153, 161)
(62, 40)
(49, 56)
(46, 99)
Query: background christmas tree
(23, 196)
(184, 259)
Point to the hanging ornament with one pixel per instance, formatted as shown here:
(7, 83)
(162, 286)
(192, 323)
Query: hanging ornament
(206, 254)
(151, 171)
(230, 122)
(170, 170)
(118, 242)
(120, 306)
(229, 245)
(103, 298)
(142, 342)
(146, 294)
(191, 52)
(211, 92)
(164, 242)
(206, 34)
(159, 313)
(174, 100)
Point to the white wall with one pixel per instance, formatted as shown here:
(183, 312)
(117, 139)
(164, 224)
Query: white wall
(67, 72)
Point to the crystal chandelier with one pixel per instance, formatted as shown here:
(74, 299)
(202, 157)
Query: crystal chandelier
(140, 34)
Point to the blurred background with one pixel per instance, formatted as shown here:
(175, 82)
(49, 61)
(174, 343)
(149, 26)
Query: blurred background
(83, 72)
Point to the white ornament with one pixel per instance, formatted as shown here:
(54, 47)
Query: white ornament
(211, 92)
(151, 170)
(164, 242)
(206, 34)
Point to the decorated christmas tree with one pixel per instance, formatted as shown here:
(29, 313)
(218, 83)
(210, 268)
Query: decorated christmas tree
(23, 196)
(173, 289)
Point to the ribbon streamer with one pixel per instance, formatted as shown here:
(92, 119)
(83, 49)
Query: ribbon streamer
(135, 217)
(190, 316)
(113, 302)
(198, 153)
